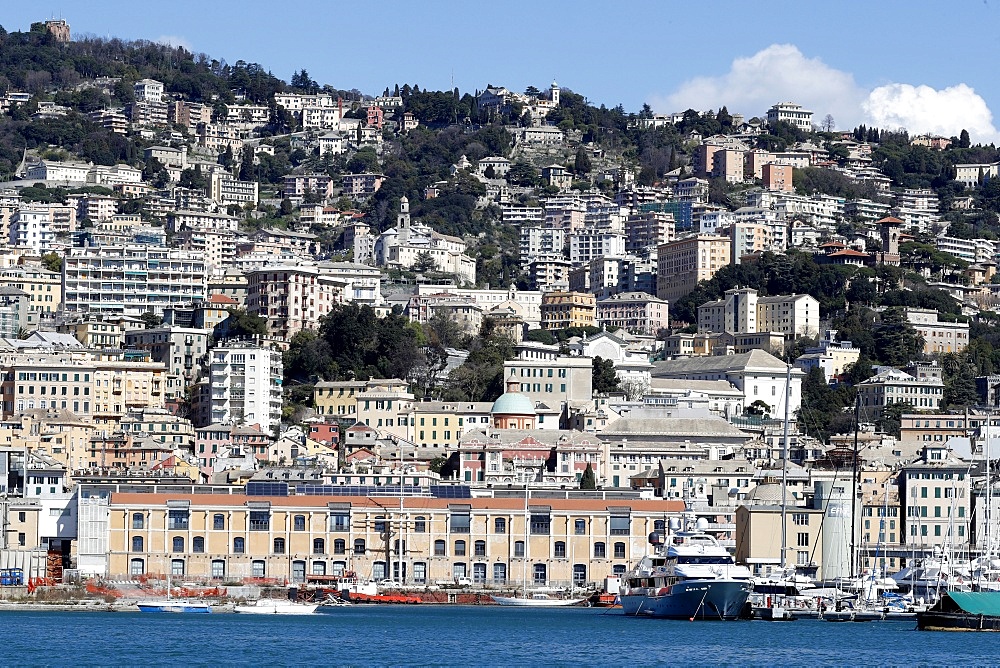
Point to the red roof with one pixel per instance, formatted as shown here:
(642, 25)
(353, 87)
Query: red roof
(889, 220)
(221, 299)
(833, 244)
(848, 252)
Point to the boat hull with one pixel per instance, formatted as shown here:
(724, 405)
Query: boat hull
(956, 621)
(303, 609)
(175, 607)
(537, 602)
(692, 599)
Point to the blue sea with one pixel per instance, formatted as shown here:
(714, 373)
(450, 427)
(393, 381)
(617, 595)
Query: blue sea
(428, 635)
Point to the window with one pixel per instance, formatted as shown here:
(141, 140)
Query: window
(177, 567)
(800, 519)
(459, 548)
(540, 524)
(480, 548)
(260, 520)
(137, 567)
(600, 551)
(519, 548)
(458, 570)
(803, 540)
(500, 573)
(419, 525)
(239, 545)
(257, 569)
(439, 548)
(198, 544)
(137, 543)
(218, 521)
(177, 519)
(218, 569)
(359, 546)
(500, 525)
(177, 544)
(299, 523)
(459, 523)
(419, 573)
(380, 525)
(339, 546)
(579, 574)
(340, 522)
(620, 525)
(138, 520)
(619, 550)
(580, 527)
(559, 550)
(319, 568)
(279, 545)
(319, 546)
(539, 574)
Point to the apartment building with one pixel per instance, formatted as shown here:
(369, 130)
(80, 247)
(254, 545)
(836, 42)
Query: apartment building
(387, 406)
(43, 286)
(549, 273)
(742, 311)
(246, 385)
(180, 349)
(42, 379)
(560, 310)
(891, 386)
(292, 297)
(683, 263)
(540, 242)
(791, 113)
(31, 229)
(592, 242)
(939, 336)
(935, 493)
(635, 312)
(645, 231)
(361, 185)
(550, 378)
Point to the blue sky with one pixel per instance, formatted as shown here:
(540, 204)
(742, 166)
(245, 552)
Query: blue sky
(927, 66)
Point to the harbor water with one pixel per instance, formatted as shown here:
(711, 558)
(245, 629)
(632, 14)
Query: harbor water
(445, 635)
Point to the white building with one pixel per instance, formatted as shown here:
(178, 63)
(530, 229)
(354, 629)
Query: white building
(148, 90)
(792, 114)
(402, 246)
(742, 311)
(537, 241)
(32, 229)
(246, 386)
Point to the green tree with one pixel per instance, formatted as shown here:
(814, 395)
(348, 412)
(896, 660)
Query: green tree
(424, 262)
(605, 380)
(240, 324)
(540, 336)
(896, 341)
(891, 417)
(959, 381)
(582, 164)
(151, 320)
(588, 480)
(52, 261)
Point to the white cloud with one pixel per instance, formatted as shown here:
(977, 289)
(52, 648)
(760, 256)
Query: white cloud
(174, 40)
(781, 73)
(922, 109)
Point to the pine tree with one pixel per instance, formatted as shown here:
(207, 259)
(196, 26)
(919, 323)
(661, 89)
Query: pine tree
(588, 480)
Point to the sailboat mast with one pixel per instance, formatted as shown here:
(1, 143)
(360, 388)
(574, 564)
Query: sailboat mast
(854, 482)
(989, 494)
(784, 471)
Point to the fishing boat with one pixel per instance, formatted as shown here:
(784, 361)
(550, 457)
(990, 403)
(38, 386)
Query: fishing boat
(692, 577)
(276, 606)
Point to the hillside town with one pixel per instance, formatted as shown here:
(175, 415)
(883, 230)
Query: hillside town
(253, 331)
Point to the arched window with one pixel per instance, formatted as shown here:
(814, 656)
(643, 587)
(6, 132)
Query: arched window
(500, 525)
(198, 544)
(579, 574)
(138, 520)
(419, 525)
(319, 546)
(339, 546)
(580, 527)
(480, 548)
(137, 543)
(279, 545)
(299, 523)
(359, 546)
(619, 550)
(559, 550)
(439, 548)
(518, 548)
(239, 545)
(600, 551)
(218, 521)
(178, 544)
(459, 548)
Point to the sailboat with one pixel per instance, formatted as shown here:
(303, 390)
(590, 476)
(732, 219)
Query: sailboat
(171, 604)
(533, 598)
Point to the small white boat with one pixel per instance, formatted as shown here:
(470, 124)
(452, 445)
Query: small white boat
(537, 600)
(276, 606)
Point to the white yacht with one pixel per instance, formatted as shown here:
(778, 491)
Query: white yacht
(687, 576)
(276, 606)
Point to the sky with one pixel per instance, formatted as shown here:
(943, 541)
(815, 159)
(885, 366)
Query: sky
(926, 66)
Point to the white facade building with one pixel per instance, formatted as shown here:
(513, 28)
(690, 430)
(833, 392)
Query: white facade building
(246, 386)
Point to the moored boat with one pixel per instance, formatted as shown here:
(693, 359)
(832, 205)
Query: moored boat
(693, 578)
(174, 605)
(962, 611)
(276, 606)
(537, 600)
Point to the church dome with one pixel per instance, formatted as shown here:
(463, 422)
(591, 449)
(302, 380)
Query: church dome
(513, 403)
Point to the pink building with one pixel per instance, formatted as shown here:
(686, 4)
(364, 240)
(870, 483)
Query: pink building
(635, 312)
(777, 177)
(297, 185)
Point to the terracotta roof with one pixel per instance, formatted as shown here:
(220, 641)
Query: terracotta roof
(221, 299)
(512, 504)
(889, 220)
(848, 252)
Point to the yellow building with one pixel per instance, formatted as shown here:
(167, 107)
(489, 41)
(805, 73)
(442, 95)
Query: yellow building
(44, 286)
(494, 542)
(561, 310)
(683, 263)
(758, 537)
(120, 386)
(338, 398)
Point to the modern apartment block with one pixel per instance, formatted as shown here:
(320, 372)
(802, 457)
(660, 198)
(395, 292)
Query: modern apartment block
(742, 311)
(131, 280)
(246, 385)
(179, 349)
(683, 263)
(292, 297)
